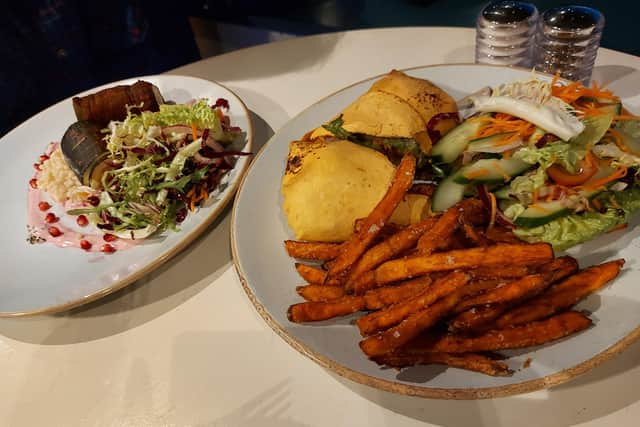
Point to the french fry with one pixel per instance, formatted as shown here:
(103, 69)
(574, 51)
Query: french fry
(388, 230)
(387, 341)
(318, 251)
(477, 318)
(444, 227)
(500, 272)
(476, 287)
(379, 320)
(520, 254)
(518, 289)
(563, 295)
(473, 212)
(387, 249)
(456, 240)
(323, 310)
(481, 311)
(320, 292)
(531, 334)
(363, 283)
(376, 299)
(468, 361)
(477, 238)
(358, 243)
(499, 234)
(310, 274)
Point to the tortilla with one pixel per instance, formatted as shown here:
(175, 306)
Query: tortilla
(329, 184)
(425, 97)
(398, 106)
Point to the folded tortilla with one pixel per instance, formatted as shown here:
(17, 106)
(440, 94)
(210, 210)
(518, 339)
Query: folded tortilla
(397, 106)
(327, 185)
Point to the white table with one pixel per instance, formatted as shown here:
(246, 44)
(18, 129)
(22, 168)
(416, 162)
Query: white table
(184, 346)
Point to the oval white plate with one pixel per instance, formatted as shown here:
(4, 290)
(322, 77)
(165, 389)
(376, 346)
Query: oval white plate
(259, 228)
(46, 279)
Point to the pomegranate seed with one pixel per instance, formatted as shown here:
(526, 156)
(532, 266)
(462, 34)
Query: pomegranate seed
(93, 200)
(44, 206)
(107, 248)
(36, 166)
(50, 218)
(43, 158)
(109, 237)
(85, 244)
(82, 220)
(33, 183)
(55, 231)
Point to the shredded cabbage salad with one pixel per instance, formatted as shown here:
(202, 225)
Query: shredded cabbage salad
(161, 165)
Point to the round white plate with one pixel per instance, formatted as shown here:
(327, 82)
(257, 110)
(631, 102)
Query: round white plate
(259, 228)
(43, 278)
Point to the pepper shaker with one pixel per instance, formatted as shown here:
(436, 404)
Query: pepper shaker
(505, 32)
(567, 41)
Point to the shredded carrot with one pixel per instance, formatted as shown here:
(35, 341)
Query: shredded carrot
(618, 227)
(505, 123)
(625, 117)
(494, 210)
(576, 90)
(194, 131)
(535, 196)
(621, 172)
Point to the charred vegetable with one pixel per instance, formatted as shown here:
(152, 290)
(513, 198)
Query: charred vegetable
(85, 152)
(111, 104)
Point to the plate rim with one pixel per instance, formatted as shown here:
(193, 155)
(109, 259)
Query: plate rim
(472, 393)
(187, 239)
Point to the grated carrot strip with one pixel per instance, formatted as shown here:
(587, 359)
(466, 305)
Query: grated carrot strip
(621, 172)
(494, 210)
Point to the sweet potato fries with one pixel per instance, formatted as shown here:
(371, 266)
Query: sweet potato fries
(446, 290)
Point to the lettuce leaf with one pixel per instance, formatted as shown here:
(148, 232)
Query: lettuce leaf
(571, 230)
(558, 152)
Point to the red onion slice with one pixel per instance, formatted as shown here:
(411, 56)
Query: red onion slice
(501, 218)
(435, 134)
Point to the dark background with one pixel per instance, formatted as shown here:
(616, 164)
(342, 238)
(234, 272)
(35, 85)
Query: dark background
(51, 49)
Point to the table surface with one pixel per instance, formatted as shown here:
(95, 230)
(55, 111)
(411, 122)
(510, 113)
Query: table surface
(184, 346)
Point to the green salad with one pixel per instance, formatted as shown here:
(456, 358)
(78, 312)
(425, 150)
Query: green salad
(556, 162)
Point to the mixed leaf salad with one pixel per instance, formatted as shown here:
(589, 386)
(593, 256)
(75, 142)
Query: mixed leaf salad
(557, 162)
(160, 165)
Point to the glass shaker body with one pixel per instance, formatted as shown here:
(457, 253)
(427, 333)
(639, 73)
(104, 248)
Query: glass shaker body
(567, 42)
(505, 33)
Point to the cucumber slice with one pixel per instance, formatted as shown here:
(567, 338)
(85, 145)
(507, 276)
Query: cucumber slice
(490, 144)
(490, 171)
(596, 127)
(451, 146)
(503, 193)
(447, 194)
(630, 132)
(543, 212)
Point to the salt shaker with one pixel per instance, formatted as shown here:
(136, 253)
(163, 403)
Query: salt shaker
(567, 42)
(505, 32)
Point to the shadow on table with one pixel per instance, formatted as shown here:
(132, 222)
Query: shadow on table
(176, 281)
(200, 367)
(608, 388)
(252, 63)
